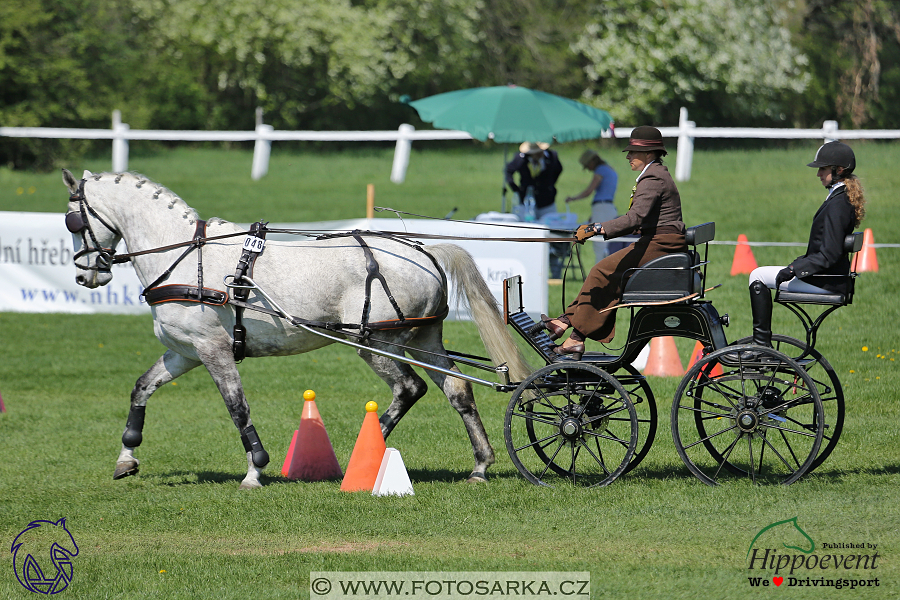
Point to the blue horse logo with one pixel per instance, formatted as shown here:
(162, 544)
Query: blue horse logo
(33, 542)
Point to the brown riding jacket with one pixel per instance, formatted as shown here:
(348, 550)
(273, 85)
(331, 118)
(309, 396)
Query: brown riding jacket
(655, 203)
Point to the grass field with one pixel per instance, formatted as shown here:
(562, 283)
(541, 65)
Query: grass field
(181, 529)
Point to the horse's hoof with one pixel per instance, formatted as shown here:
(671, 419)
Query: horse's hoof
(477, 477)
(124, 469)
(251, 484)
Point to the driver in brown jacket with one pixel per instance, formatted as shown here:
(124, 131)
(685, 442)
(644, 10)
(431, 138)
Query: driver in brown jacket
(654, 213)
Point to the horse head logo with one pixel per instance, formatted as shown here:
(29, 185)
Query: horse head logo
(790, 529)
(37, 540)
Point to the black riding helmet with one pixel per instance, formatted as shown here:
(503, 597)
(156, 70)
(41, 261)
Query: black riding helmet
(835, 154)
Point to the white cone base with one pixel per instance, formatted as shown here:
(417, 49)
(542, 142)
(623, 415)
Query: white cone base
(392, 480)
(640, 363)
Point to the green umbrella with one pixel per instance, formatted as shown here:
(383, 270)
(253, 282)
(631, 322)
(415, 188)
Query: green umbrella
(513, 114)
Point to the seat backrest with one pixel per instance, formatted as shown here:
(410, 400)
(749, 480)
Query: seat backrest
(853, 242)
(667, 277)
(700, 234)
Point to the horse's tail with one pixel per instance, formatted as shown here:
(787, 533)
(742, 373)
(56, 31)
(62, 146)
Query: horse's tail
(472, 289)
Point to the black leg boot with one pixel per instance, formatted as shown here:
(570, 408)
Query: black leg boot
(761, 307)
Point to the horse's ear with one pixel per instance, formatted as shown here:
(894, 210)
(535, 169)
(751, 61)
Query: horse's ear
(70, 181)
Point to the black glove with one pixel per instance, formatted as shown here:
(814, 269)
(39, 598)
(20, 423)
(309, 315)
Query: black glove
(786, 274)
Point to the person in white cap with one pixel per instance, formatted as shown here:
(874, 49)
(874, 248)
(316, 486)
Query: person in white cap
(538, 167)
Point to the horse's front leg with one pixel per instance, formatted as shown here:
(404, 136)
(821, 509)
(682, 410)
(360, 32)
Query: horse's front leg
(169, 366)
(219, 361)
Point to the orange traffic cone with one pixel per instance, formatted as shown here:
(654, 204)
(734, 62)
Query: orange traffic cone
(365, 461)
(743, 262)
(290, 453)
(697, 354)
(865, 259)
(311, 456)
(664, 360)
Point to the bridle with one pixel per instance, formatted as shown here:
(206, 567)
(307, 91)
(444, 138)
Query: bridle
(78, 223)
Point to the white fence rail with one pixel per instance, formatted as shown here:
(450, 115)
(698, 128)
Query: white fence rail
(263, 136)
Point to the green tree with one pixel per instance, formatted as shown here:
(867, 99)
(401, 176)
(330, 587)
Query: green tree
(727, 61)
(59, 64)
(854, 47)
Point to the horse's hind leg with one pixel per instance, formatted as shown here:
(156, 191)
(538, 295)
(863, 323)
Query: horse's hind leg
(169, 366)
(459, 393)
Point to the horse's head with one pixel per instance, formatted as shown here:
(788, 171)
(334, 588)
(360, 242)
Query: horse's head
(94, 238)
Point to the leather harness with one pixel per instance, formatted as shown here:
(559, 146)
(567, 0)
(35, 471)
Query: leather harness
(159, 294)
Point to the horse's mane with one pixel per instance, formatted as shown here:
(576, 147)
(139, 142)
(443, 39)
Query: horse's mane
(152, 191)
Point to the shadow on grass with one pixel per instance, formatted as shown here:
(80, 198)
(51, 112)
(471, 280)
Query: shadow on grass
(835, 475)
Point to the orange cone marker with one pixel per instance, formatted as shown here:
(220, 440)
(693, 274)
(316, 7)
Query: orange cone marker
(290, 454)
(365, 461)
(664, 360)
(865, 259)
(743, 262)
(311, 456)
(697, 354)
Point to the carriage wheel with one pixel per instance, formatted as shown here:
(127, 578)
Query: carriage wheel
(827, 383)
(571, 422)
(641, 397)
(761, 419)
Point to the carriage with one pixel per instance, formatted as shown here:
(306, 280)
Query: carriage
(771, 418)
(770, 415)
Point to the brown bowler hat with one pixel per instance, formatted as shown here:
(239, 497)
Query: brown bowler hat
(645, 139)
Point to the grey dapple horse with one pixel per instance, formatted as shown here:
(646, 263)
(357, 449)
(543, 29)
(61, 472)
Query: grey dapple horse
(321, 280)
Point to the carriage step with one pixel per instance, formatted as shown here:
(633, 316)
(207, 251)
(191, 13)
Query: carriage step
(539, 340)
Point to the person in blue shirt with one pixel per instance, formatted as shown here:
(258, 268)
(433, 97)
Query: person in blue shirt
(603, 187)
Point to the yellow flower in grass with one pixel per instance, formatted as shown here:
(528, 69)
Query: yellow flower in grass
(865, 348)
(852, 371)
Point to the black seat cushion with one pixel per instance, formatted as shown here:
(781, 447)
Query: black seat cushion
(800, 298)
(668, 277)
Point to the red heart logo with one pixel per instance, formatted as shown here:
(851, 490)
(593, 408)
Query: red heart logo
(778, 580)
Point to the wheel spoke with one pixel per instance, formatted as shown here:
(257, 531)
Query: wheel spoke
(718, 433)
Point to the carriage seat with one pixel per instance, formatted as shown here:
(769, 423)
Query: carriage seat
(672, 276)
(852, 245)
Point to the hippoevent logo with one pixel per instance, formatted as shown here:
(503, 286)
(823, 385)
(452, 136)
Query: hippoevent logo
(783, 554)
(42, 556)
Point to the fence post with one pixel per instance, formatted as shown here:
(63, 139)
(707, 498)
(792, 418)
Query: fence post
(401, 153)
(262, 148)
(685, 148)
(119, 143)
(830, 131)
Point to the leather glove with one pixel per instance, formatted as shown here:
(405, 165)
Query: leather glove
(584, 232)
(786, 274)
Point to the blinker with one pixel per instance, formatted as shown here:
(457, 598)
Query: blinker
(74, 222)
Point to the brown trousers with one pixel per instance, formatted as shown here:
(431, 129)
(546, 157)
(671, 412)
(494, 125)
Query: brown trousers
(605, 283)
